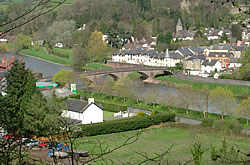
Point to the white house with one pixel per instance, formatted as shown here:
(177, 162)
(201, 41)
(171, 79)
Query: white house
(209, 66)
(234, 63)
(147, 57)
(59, 45)
(84, 112)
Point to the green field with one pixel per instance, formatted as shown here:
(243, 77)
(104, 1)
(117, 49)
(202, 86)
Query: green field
(134, 75)
(107, 114)
(43, 55)
(156, 140)
(238, 90)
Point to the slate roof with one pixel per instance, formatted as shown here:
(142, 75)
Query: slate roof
(78, 105)
(185, 51)
(170, 55)
(210, 63)
(213, 54)
(3, 74)
(196, 49)
(239, 48)
(234, 60)
(201, 57)
(221, 47)
(184, 33)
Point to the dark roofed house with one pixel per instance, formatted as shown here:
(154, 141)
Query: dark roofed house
(85, 111)
(234, 63)
(209, 66)
(185, 52)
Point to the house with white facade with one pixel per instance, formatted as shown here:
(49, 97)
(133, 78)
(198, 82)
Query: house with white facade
(209, 66)
(83, 112)
(234, 63)
(147, 57)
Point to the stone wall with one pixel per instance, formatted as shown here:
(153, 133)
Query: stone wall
(211, 80)
(121, 65)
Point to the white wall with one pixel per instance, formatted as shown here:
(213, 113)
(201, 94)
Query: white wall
(93, 114)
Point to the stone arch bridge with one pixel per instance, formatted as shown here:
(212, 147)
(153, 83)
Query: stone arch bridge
(148, 73)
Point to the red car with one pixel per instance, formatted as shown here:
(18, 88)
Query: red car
(43, 143)
(8, 136)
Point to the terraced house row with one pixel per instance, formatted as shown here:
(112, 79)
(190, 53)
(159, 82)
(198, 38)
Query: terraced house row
(147, 57)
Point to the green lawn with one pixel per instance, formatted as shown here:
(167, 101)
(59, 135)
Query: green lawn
(156, 140)
(238, 90)
(43, 55)
(108, 114)
(134, 75)
(94, 66)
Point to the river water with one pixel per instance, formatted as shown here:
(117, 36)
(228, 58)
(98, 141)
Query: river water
(166, 95)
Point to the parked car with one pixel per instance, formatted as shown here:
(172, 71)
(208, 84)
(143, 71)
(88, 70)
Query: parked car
(8, 136)
(43, 143)
(62, 147)
(33, 143)
(52, 145)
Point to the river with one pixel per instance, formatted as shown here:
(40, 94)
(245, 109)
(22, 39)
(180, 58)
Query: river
(166, 94)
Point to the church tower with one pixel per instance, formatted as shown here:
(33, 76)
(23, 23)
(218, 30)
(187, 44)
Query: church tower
(179, 26)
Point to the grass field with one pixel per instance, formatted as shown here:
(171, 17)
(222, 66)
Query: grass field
(43, 55)
(134, 75)
(156, 140)
(107, 114)
(238, 90)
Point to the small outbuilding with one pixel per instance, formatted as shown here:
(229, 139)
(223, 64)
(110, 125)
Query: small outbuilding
(85, 111)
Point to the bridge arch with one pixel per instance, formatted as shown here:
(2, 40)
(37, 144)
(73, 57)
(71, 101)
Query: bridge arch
(165, 73)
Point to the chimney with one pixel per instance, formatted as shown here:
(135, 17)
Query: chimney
(91, 100)
(166, 54)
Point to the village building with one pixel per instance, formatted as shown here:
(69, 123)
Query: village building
(224, 58)
(83, 112)
(234, 63)
(182, 34)
(147, 57)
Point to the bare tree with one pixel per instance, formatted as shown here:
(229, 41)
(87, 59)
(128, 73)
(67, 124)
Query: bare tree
(152, 94)
(41, 8)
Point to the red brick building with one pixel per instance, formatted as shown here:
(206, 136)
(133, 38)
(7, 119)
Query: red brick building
(224, 58)
(5, 65)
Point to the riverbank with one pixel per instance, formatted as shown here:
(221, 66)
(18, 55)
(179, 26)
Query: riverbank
(41, 54)
(117, 103)
(238, 90)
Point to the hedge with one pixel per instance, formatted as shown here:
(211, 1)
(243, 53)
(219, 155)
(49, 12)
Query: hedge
(125, 124)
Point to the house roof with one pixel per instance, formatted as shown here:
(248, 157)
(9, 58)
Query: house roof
(3, 74)
(239, 48)
(221, 47)
(184, 33)
(171, 55)
(234, 60)
(209, 63)
(213, 54)
(201, 57)
(185, 51)
(196, 49)
(80, 106)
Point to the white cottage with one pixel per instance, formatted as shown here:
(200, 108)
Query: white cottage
(84, 112)
(209, 66)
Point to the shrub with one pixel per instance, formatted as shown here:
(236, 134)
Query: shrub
(140, 114)
(207, 122)
(36, 47)
(125, 124)
(228, 126)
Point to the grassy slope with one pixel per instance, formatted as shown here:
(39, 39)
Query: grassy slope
(43, 55)
(238, 90)
(107, 114)
(157, 139)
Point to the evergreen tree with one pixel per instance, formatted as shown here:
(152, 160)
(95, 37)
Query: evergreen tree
(224, 38)
(21, 85)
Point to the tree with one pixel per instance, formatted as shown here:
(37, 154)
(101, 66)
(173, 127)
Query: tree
(152, 94)
(108, 86)
(243, 109)
(244, 71)
(236, 31)
(64, 77)
(223, 99)
(139, 31)
(97, 49)
(136, 88)
(186, 97)
(61, 32)
(23, 41)
(79, 56)
(203, 100)
(21, 85)
(28, 14)
(121, 87)
(224, 38)
(85, 82)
